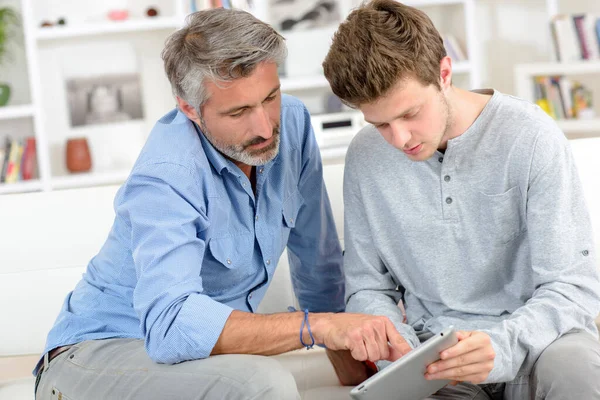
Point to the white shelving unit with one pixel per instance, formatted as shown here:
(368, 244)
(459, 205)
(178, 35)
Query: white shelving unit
(101, 28)
(89, 179)
(38, 39)
(50, 127)
(14, 112)
(525, 74)
(470, 68)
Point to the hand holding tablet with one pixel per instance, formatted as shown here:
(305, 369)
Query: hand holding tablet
(405, 379)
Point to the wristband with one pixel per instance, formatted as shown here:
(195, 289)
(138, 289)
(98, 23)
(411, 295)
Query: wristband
(305, 322)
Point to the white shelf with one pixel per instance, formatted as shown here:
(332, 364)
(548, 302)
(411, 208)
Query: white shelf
(579, 126)
(303, 83)
(462, 67)
(429, 3)
(557, 68)
(291, 84)
(20, 187)
(333, 153)
(133, 25)
(13, 112)
(89, 179)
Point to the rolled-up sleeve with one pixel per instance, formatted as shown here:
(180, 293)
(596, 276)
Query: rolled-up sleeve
(162, 204)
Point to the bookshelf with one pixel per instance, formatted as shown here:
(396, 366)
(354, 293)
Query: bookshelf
(584, 70)
(44, 113)
(41, 115)
(310, 76)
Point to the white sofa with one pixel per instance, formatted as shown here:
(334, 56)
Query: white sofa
(46, 240)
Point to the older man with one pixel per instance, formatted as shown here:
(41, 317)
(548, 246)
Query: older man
(224, 183)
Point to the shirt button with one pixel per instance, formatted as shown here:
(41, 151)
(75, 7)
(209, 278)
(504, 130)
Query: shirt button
(441, 159)
(250, 296)
(585, 253)
(260, 171)
(268, 262)
(447, 178)
(448, 200)
(256, 218)
(244, 184)
(292, 220)
(228, 261)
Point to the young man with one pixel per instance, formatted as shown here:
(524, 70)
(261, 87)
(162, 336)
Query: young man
(466, 208)
(224, 183)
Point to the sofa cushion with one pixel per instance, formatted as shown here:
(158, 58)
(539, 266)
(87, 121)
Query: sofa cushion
(18, 389)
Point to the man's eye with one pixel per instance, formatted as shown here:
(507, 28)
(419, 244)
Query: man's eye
(236, 115)
(381, 125)
(270, 98)
(411, 115)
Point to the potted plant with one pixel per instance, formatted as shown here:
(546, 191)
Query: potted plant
(9, 25)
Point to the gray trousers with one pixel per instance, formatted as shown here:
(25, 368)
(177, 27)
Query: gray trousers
(120, 369)
(568, 369)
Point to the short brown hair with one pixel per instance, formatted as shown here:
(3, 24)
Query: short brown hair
(380, 43)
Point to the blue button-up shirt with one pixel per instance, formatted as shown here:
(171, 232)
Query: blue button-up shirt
(191, 242)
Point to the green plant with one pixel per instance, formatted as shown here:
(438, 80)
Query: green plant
(10, 23)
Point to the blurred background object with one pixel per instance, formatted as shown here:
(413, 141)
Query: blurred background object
(84, 75)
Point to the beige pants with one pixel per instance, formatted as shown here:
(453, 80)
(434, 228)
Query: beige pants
(121, 369)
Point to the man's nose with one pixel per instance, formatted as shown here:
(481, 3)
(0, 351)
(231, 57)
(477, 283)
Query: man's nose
(262, 125)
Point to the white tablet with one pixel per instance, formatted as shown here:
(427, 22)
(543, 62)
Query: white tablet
(404, 379)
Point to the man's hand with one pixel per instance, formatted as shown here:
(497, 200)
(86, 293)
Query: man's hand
(470, 360)
(367, 337)
(349, 371)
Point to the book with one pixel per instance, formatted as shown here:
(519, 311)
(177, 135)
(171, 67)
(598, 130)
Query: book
(565, 94)
(12, 171)
(453, 48)
(28, 162)
(7, 148)
(578, 21)
(589, 27)
(2, 156)
(566, 43)
(598, 33)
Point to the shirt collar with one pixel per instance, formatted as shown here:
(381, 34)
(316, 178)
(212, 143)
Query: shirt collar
(217, 160)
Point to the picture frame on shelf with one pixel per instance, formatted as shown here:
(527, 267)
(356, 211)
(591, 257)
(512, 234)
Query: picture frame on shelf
(104, 99)
(104, 87)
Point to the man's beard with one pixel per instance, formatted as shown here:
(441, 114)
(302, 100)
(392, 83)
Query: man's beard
(242, 153)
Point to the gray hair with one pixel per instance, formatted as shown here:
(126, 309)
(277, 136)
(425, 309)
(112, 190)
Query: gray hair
(219, 45)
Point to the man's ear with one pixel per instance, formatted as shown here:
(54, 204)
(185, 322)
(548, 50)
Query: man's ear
(188, 110)
(446, 73)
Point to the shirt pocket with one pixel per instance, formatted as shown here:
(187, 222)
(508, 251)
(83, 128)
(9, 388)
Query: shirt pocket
(227, 262)
(290, 210)
(501, 215)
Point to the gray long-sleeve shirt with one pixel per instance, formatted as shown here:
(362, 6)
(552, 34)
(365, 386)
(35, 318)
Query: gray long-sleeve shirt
(493, 235)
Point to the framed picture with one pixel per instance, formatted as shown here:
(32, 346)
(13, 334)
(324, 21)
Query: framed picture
(104, 99)
(102, 84)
